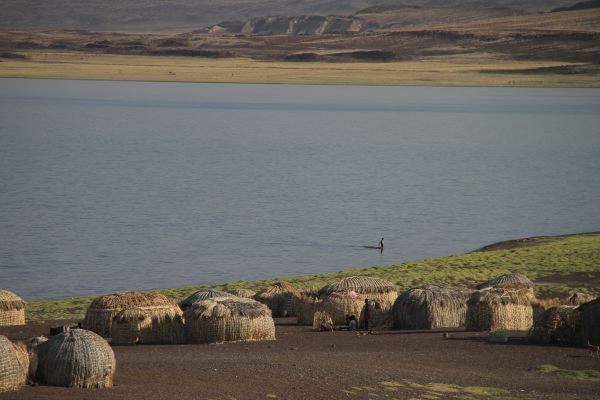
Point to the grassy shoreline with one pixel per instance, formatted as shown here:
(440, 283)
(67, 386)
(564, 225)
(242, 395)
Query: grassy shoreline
(559, 256)
(480, 70)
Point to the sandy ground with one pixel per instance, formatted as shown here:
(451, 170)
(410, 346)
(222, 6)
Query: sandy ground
(302, 364)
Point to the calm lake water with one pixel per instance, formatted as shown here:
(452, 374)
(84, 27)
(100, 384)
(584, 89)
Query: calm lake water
(108, 186)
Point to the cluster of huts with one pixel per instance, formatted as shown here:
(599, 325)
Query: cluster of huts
(84, 357)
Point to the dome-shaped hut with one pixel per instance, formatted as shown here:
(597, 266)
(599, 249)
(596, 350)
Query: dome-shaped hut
(431, 307)
(225, 319)
(280, 298)
(339, 305)
(241, 292)
(380, 316)
(76, 358)
(590, 322)
(577, 299)
(11, 372)
(493, 309)
(307, 303)
(378, 289)
(509, 281)
(139, 326)
(201, 295)
(103, 309)
(12, 309)
(560, 325)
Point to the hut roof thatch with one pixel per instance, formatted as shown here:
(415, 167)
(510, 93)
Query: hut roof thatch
(359, 284)
(76, 358)
(500, 297)
(430, 294)
(277, 289)
(507, 281)
(577, 299)
(201, 295)
(241, 292)
(125, 300)
(10, 301)
(226, 307)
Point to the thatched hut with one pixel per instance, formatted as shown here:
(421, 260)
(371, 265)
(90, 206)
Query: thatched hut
(201, 295)
(338, 305)
(280, 298)
(371, 288)
(560, 325)
(431, 307)
(307, 303)
(509, 281)
(140, 326)
(76, 358)
(103, 309)
(577, 299)
(381, 316)
(590, 322)
(23, 360)
(493, 309)
(12, 309)
(245, 293)
(226, 319)
(11, 375)
(32, 345)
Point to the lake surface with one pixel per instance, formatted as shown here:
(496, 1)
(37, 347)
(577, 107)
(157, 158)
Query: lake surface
(108, 186)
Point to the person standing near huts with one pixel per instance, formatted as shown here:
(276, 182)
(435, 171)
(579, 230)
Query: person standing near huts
(367, 314)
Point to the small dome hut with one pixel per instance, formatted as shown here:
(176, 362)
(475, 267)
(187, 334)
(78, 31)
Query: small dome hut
(280, 298)
(11, 371)
(12, 309)
(560, 325)
(431, 307)
(338, 305)
(103, 309)
(76, 358)
(372, 288)
(590, 322)
(493, 309)
(140, 326)
(201, 295)
(226, 319)
(241, 292)
(509, 281)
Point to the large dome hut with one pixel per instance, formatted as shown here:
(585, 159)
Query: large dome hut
(494, 309)
(377, 289)
(431, 307)
(103, 310)
(560, 325)
(509, 281)
(201, 295)
(339, 305)
(241, 292)
(12, 309)
(11, 370)
(280, 298)
(590, 322)
(76, 358)
(226, 319)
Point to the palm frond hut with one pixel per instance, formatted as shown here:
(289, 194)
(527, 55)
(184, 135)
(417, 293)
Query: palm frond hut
(11, 376)
(372, 288)
(560, 325)
(241, 292)
(226, 319)
(76, 358)
(577, 299)
(509, 281)
(307, 303)
(431, 307)
(590, 322)
(280, 298)
(103, 309)
(201, 295)
(12, 309)
(338, 305)
(493, 309)
(139, 326)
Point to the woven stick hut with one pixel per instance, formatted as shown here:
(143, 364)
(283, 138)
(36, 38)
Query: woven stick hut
(103, 309)
(226, 319)
(11, 375)
(280, 298)
(509, 281)
(431, 307)
(245, 293)
(380, 317)
(201, 295)
(590, 322)
(307, 303)
(493, 309)
(339, 305)
(560, 325)
(143, 326)
(577, 299)
(76, 358)
(23, 360)
(372, 288)
(12, 309)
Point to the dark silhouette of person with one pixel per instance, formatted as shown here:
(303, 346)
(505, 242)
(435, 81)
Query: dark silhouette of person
(367, 314)
(381, 243)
